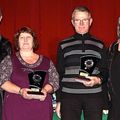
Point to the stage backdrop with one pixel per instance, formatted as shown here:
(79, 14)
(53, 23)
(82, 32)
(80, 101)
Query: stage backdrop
(50, 19)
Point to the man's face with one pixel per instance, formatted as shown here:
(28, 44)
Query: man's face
(81, 22)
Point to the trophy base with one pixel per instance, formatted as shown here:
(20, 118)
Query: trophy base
(83, 74)
(35, 93)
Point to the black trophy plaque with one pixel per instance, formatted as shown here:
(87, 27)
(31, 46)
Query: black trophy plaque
(36, 80)
(87, 65)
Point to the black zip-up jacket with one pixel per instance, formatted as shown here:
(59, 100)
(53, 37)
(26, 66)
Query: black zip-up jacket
(5, 48)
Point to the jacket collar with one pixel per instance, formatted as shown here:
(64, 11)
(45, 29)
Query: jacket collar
(82, 36)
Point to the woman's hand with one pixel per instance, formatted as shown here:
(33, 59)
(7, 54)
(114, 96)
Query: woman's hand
(57, 110)
(40, 97)
(24, 94)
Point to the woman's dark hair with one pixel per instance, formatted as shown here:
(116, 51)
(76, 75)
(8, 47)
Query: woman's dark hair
(25, 30)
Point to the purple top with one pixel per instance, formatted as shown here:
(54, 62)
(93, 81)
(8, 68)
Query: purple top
(15, 106)
(6, 70)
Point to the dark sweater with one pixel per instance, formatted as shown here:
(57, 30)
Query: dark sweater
(70, 52)
(5, 47)
(114, 72)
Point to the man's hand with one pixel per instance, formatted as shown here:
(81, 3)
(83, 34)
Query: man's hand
(93, 81)
(57, 110)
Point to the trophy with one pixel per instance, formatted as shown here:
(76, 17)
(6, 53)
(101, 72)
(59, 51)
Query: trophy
(36, 80)
(87, 65)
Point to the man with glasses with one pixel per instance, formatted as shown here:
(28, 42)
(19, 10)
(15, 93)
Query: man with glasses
(82, 69)
(5, 49)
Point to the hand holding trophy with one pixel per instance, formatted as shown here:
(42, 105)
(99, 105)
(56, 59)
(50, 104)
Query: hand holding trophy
(36, 80)
(87, 66)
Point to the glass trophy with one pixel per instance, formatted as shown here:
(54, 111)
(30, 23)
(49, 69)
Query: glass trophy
(36, 80)
(87, 65)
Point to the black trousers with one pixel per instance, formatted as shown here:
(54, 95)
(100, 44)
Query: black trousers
(114, 110)
(72, 105)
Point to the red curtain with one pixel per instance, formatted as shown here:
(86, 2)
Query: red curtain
(50, 19)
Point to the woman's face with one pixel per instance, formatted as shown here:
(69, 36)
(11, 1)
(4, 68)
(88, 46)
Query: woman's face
(25, 41)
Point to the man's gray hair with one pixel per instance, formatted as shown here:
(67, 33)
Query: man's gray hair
(80, 9)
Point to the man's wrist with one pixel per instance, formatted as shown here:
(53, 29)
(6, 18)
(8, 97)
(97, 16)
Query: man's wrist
(99, 80)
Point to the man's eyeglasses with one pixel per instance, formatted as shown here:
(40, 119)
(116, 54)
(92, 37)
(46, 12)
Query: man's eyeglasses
(86, 20)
